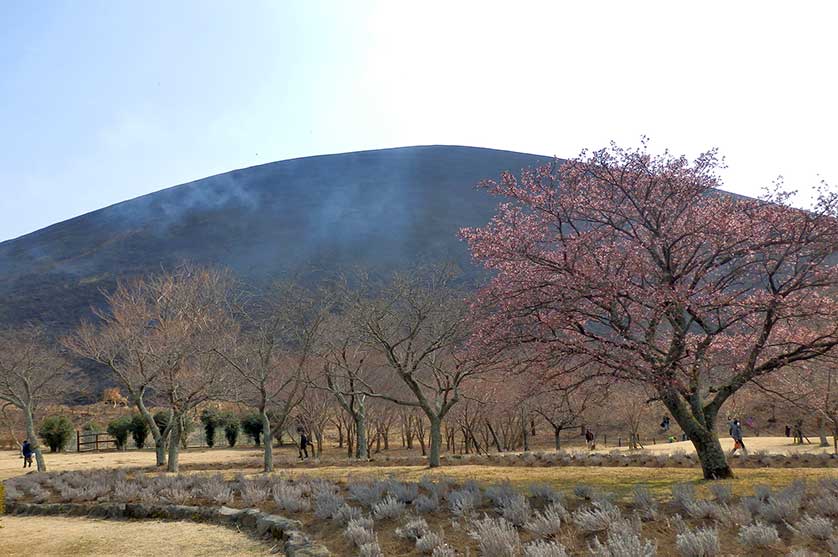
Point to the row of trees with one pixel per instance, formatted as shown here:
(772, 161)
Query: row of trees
(617, 269)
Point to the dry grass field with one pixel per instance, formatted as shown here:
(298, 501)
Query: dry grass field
(75, 536)
(49, 536)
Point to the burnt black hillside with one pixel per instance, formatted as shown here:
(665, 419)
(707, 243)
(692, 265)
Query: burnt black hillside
(377, 209)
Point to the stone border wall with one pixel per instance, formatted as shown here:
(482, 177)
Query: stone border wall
(263, 525)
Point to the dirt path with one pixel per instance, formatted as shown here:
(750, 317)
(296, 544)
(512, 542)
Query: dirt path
(52, 536)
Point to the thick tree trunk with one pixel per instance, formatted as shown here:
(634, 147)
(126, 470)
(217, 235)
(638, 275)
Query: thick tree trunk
(360, 418)
(436, 441)
(822, 432)
(712, 457)
(268, 464)
(174, 444)
(557, 432)
(33, 441)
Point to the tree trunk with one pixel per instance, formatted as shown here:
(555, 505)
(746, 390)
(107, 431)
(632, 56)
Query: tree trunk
(174, 444)
(710, 454)
(557, 434)
(822, 432)
(360, 417)
(33, 440)
(159, 440)
(268, 449)
(436, 441)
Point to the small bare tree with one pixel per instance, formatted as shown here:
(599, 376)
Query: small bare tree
(419, 324)
(347, 367)
(158, 335)
(32, 372)
(280, 329)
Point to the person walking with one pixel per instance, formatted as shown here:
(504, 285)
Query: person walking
(590, 439)
(26, 451)
(736, 434)
(304, 443)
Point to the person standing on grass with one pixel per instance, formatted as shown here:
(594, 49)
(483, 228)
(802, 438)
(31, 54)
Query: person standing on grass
(590, 440)
(26, 451)
(736, 434)
(304, 443)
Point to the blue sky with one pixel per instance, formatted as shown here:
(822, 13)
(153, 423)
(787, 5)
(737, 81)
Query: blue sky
(104, 101)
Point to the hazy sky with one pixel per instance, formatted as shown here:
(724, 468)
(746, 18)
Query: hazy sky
(104, 101)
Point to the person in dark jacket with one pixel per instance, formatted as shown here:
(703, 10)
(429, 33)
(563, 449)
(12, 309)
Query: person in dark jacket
(590, 439)
(26, 451)
(304, 443)
(736, 434)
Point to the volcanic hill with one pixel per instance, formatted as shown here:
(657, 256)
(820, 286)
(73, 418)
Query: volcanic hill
(377, 209)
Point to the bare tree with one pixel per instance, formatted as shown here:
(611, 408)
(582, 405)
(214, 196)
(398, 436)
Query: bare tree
(563, 404)
(419, 324)
(346, 370)
(280, 329)
(32, 372)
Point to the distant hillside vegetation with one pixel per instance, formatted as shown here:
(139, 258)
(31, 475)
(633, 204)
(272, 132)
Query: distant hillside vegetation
(380, 209)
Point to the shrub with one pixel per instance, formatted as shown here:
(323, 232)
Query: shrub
(345, 513)
(139, 430)
(463, 502)
(702, 542)
(516, 510)
(231, 428)
(357, 533)
(425, 504)
(216, 490)
(211, 420)
(597, 519)
(585, 492)
(544, 494)
(119, 429)
(495, 537)
(758, 535)
(541, 548)
(161, 418)
(546, 524)
(404, 492)
(623, 541)
(327, 504)
(251, 425)
(367, 494)
(428, 543)
(500, 494)
(56, 432)
(444, 550)
(815, 527)
(722, 493)
(370, 549)
(290, 497)
(645, 503)
(413, 529)
(683, 495)
(826, 504)
(388, 508)
(701, 508)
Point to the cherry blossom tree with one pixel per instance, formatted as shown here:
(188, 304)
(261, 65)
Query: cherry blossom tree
(638, 265)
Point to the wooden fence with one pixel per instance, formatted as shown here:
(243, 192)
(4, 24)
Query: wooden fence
(91, 441)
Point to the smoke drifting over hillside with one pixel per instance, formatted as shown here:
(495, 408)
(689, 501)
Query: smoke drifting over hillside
(380, 209)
